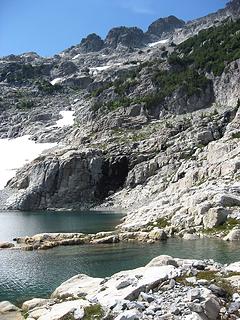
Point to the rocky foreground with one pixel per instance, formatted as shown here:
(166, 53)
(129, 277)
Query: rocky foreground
(166, 288)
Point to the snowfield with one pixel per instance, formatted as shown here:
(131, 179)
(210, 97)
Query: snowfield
(55, 81)
(66, 120)
(15, 153)
(153, 44)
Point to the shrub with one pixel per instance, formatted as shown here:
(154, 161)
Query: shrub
(25, 104)
(46, 87)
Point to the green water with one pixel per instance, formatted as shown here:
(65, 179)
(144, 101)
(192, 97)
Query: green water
(18, 224)
(24, 275)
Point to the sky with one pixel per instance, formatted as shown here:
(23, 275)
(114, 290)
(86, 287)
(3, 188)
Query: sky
(50, 26)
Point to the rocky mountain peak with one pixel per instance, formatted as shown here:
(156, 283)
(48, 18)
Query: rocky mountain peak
(91, 43)
(163, 25)
(234, 5)
(129, 37)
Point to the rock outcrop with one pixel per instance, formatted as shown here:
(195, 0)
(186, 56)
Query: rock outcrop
(128, 37)
(91, 43)
(165, 25)
(70, 178)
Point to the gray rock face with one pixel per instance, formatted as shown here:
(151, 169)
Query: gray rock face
(128, 37)
(164, 25)
(91, 43)
(65, 68)
(67, 179)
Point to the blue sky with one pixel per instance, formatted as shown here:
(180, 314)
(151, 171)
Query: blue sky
(50, 26)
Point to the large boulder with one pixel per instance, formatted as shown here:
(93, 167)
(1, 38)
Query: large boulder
(78, 286)
(35, 303)
(233, 235)
(6, 306)
(64, 310)
(215, 217)
(158, 234)
(162, 261)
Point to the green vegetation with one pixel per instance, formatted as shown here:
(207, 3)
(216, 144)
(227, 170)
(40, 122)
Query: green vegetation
(25, 104)
(213, 277)
(236, 135)
(217, 279)
(160, 223)
(46, 87)
(211, 50)
(225, 228)
(25, 314)
(97, 92)
(22, 72)
(94, 312)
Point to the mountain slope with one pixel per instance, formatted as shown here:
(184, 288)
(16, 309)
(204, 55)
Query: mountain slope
(156, 127)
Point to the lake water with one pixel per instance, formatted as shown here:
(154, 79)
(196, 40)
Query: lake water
(24, 275)
(17, 224)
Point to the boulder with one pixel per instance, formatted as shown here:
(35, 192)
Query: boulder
(35, 303)
(190, 236)
(193, 294)
(233, 235)
(65, 310)
(228, 200)
(6, 245)
(133, 110)
(109, 239)
(233, 267)
(204, 137)
(215, 217)
(78, 286)
(129, 315)
(234, 281)
(162, 261)
(158, 234)
(212, 308)
(141, 280)
(6, 306)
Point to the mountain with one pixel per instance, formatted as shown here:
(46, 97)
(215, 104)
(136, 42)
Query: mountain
(156, 127)
(165, 25)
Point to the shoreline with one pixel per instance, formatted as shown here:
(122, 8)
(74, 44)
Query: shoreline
(187, 288)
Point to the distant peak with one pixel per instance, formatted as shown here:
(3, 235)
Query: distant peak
(92, 43)
(166, 24)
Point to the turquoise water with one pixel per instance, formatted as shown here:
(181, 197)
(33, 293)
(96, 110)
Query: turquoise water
(24, 275)
(17, 224)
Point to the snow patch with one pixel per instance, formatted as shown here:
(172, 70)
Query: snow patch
(76, 57)
(55, 81)
(66, 120)
(153, 44)
(100, 68)
(15, 153)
